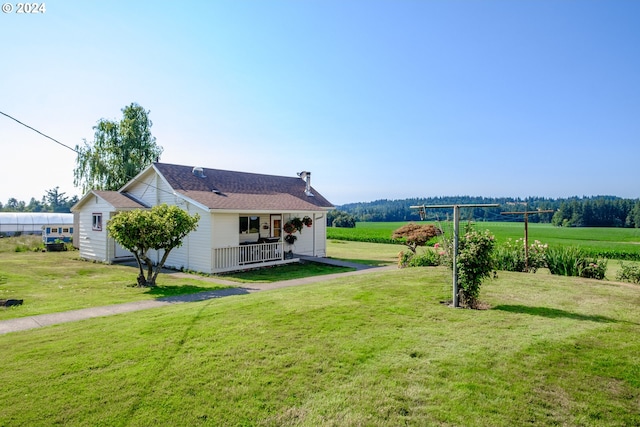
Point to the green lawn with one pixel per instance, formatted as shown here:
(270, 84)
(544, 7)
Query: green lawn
(51, 282)
(58, 281)
(376, 254)
(378, 349)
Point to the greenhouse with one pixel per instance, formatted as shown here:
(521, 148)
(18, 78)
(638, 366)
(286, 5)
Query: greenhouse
(54, 225)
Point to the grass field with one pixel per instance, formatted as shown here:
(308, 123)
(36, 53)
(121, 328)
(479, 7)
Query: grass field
(614, 243)
(51, 282)
(375, 350)
(378, 349)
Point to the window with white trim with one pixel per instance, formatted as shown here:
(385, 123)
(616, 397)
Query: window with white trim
(96, 222)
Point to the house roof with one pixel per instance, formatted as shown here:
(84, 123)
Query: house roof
(114, 198)
(222, 189)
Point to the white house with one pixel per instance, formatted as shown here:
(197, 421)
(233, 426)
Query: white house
(242, 216)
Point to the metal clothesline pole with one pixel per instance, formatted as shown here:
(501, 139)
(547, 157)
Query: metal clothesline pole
(456, 235)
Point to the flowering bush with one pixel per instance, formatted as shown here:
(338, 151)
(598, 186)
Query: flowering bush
(593, 269)
(511, 256)
(475, 263)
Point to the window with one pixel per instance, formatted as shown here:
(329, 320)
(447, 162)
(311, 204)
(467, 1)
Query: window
(249, 224)
(54, 230)
(65, 230)
(97, 222)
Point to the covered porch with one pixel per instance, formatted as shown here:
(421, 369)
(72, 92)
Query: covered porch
(265, 252)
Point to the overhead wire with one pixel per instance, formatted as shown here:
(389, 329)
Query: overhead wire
(132, 178)
(36, 130)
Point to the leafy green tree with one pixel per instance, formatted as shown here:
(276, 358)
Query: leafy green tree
(162, 227)
(56, 201)
(13, 205)
(35, 206)
(633, 219)
(340, 219)
(119, 151)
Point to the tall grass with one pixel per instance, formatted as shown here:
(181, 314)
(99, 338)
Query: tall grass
(573, 261)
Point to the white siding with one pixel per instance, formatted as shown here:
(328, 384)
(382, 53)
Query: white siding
(93, 244)
(148, 189)
(225, 230)
(195, 252)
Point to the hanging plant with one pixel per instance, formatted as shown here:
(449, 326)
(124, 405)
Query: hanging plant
(289, 228)
(297, 223)
(294, 224)
(307, 221)
(290, 239)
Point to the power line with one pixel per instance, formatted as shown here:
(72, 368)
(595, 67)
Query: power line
(36, 130)
(77, 152)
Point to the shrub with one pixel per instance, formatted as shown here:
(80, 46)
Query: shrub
(475, 263)
(629, 273)
(427, 259)
(573, 261)
(511, 256)
(593, 269)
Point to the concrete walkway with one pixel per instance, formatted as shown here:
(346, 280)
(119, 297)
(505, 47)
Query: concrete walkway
(32, 322)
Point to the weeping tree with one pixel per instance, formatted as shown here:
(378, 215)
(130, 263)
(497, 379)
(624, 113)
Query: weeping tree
(162, 227)
(119, 151)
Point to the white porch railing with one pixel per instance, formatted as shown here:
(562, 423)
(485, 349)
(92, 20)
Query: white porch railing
(235, 257)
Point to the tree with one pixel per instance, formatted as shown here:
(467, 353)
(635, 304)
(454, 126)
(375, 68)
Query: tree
(633, 218)
(162, 227)
(118, 153)
(35, 206)
(340, 219)
(13, 205)
(57, 201)
(415, 235)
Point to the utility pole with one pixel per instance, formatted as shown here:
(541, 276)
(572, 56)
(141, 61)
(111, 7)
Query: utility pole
(456, 234)
(526, 214)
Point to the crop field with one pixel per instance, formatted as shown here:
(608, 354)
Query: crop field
(612, 243)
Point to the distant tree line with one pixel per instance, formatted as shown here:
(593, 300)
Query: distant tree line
(596, 211)
(52, 201)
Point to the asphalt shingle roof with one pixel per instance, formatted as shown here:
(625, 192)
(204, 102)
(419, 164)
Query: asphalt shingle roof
(118, 200)
(221, 189)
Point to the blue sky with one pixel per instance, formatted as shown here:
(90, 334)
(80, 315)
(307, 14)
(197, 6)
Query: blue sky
(378, 99)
